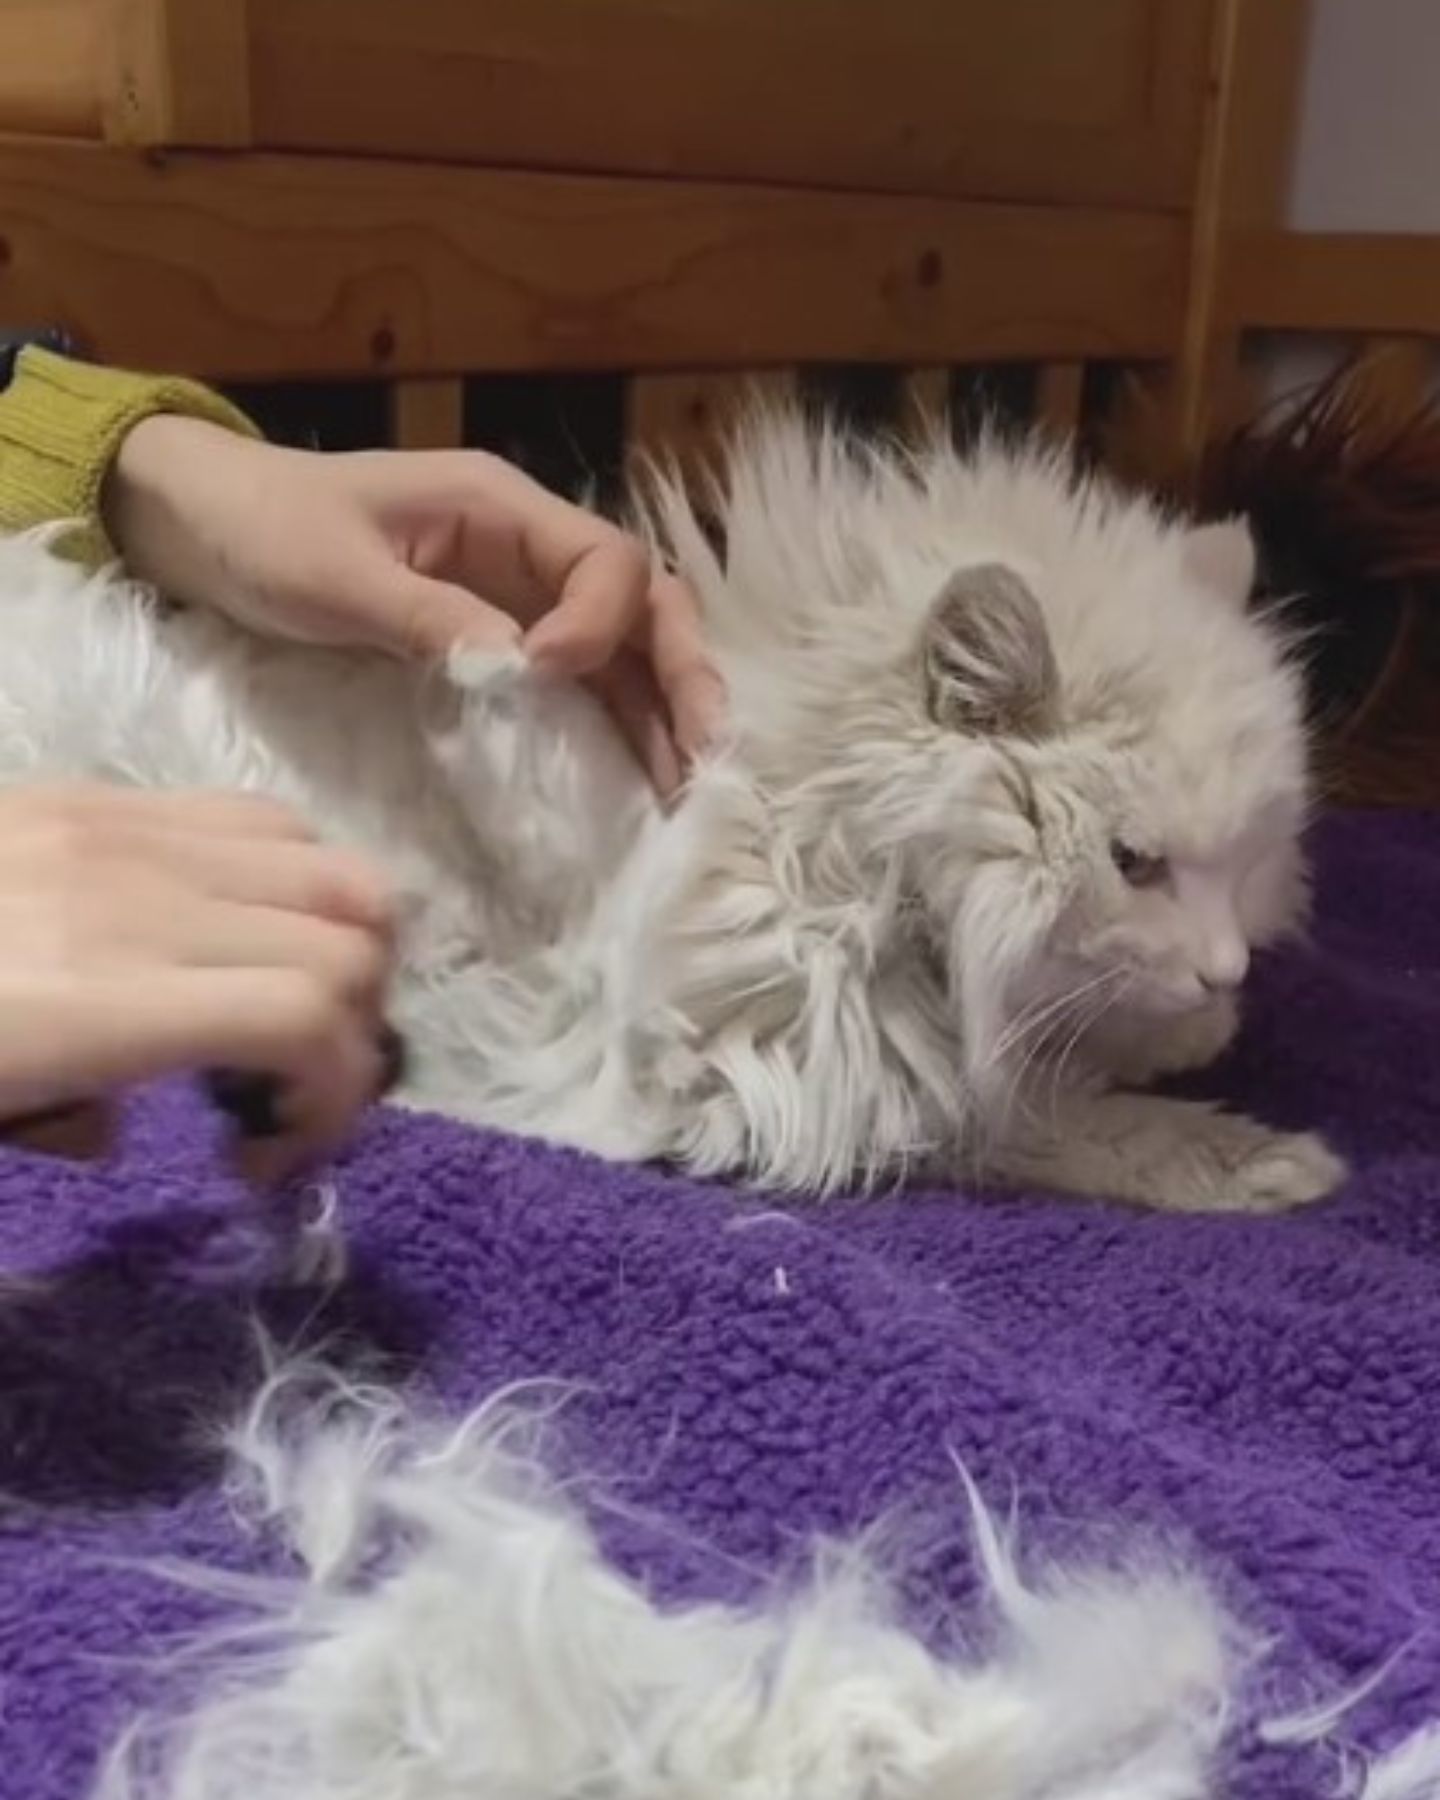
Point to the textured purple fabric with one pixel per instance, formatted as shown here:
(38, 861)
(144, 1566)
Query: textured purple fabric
(1260, 1390)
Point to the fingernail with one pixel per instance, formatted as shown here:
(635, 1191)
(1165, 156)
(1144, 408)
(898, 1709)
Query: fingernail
(551, 661)
(709, 723)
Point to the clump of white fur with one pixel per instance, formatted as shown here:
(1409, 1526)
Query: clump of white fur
(450, 1628)
(1016, 784)
(454, 1630)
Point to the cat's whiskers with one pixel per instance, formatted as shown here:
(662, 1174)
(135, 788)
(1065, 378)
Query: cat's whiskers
(1035, 1033)
(1029, 1021)
(1085, 1023)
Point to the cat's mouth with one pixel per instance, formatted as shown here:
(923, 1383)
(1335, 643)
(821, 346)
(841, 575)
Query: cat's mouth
(1177, 997)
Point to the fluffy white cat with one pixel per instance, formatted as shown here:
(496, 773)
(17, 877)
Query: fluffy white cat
(1016, 785)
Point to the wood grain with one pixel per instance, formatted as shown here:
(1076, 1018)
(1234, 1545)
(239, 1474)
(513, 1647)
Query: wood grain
(1032, 100)
(1396, 375)
(427, 413)
(50, 67)
(178, 71)
(250, 267)
(1372, 284)
(1252, 98)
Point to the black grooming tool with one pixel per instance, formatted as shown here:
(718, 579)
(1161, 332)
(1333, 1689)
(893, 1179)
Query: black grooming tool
(254, 1103)
(251, 1102)
(394, 1060)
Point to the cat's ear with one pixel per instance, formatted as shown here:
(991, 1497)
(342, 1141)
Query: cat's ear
(989, 667)
(1222, 558)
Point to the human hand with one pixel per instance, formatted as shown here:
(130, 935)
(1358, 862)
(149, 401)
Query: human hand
(414, 552)
(147, 934)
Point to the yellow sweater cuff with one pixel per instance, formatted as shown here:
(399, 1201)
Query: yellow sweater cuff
(61, 426)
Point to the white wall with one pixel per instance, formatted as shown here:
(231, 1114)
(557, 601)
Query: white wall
(1368, 151)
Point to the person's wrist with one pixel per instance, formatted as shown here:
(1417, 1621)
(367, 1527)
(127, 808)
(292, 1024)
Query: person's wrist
(151, 505)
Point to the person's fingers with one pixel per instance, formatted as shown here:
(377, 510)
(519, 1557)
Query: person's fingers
(348, 962)
(600, 604)
(79, 1131)
(314, 1123)
(481, 523)
(628, 690)
(157, 933)
(102, 807)
(407, 614)
(232, 815)
(688, 679)
(319, 880)
(285, 1023)
(134, 1025)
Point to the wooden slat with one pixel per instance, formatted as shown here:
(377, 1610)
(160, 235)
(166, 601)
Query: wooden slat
(923, 402)
(1030, 100)
(683, 418)
(1396, 375)
(1207, 350)
(1373, 284)
(1059, 393)
(50, 67)
(179, 72)
(259, 266)
(428, 413)
(1252, 104)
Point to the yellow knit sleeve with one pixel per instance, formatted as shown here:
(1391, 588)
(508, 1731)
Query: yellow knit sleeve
(61, 426)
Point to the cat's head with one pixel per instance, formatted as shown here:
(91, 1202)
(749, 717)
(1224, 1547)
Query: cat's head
(1104, 826)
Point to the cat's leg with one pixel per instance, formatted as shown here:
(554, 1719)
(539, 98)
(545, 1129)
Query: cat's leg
(1135, 1053)
(771, 1120)
(809, 1075)
(529, 1047)
(1174, 1155)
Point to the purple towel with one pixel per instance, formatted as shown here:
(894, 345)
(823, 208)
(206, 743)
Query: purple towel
(1261, 1391)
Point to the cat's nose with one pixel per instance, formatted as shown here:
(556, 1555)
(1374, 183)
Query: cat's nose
(1224, 965)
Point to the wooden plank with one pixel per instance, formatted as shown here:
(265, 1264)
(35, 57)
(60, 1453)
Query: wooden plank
(923, 402)
(1372, 284)
(179, 72)
(1396, 375)
(1160, 425)
(1251, 107)
(1032, 100)
(428, 413)
(248, 267)
(1206, 349)
(51, 67)
(684, 418)
(1059, 394)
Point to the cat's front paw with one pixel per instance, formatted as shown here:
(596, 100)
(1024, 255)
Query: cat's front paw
(1244, 1167)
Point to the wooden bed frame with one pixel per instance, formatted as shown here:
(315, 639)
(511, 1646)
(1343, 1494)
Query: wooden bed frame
(696, 196)
(690, 191)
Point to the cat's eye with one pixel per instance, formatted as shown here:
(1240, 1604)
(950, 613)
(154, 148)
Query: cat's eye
(1140, 870)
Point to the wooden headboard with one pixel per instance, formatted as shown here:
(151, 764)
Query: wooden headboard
(683, 189)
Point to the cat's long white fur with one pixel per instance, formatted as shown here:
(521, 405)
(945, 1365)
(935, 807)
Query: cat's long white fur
(451, 1627)
(498, 1654)
(885, 930)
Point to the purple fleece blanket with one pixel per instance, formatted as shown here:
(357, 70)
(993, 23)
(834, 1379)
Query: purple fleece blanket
(1262, 1390)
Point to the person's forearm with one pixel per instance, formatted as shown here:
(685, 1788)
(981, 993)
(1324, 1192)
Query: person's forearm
(62, 426)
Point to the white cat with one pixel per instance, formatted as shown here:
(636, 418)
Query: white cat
(1016, 785)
